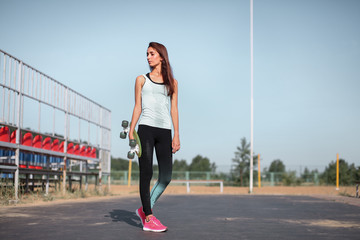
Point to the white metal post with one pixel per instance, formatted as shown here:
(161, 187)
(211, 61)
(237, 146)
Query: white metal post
(9, 93)
(101, 147)
(22, 99)
(252, 96)
(65, 143)
(39, 116)
(13, 119)
(4, 82)
(18, 135)
(109, 155)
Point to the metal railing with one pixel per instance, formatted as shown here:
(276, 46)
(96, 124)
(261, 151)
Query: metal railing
(22, 85)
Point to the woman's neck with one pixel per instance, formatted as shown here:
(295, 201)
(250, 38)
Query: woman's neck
(156, 71)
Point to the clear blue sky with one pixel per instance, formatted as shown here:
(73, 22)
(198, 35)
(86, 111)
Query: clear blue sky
(306, 68)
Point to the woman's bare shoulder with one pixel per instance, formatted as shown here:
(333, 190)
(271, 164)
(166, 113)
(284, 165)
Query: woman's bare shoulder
(140, 79)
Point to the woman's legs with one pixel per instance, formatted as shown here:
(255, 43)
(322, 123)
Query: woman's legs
(164, 157)
(151, 137)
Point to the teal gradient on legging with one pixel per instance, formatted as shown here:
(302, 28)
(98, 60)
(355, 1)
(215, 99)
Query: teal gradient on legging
(156, 192)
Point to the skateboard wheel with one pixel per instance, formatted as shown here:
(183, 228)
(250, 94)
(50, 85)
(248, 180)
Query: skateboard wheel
(123, 135)
(131, 155)
(125, 124)
(132, 143)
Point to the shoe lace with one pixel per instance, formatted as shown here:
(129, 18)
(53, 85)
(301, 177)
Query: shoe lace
(156, 221)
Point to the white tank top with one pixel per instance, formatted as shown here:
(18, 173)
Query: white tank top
(155, 104)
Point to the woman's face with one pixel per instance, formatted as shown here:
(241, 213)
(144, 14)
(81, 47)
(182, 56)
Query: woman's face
(153, 57)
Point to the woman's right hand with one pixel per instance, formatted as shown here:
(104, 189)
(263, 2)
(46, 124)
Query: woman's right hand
(131, 135)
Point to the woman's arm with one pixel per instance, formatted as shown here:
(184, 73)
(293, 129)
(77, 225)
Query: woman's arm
(175, 119)
(140, 80)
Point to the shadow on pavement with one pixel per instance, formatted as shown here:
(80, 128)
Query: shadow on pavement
(118, 215)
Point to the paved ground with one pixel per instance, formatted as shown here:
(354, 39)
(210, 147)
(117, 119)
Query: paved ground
(188, 217)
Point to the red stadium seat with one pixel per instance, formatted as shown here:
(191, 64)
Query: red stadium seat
(61, 147)
(13, 137)
(70, 148)
(46, 143)
(4, 134)
(4, 137)
(37, 142)
(88, 152)
(55, 145)
(82, 151)
(93, 153)
(27, 139)
(76, 149)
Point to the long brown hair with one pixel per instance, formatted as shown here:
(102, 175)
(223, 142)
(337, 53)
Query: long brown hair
(166, 70)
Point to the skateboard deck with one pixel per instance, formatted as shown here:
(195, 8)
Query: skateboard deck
(135, 144)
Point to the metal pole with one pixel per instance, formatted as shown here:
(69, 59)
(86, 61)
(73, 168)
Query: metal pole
(4, 81)
(79, 139)
(14, 91)
(18, 135)
(337, 171)
(53, 132)
(252, 96)
(101, 155)
(109, 155)
(28, 81)
(39, 116)
(22, 99)
(259, 172)
(9, 92)
(32, 83)
(65, 144)
(53, 102)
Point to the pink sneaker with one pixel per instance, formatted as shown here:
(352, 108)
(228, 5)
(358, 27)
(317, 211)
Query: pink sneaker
(154, 225)
(139, 212)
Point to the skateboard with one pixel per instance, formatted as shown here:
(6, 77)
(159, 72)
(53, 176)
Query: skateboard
(135, 144)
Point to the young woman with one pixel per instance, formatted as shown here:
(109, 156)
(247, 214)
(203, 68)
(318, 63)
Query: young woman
(156, 100)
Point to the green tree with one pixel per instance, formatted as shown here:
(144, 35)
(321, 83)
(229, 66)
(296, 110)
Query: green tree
(308, 176)
(180, 165)
(347, 173)
(202, 164)
(120, 164)
(213, 167)
(277, 166)
(277, 169)
(357, 174)
(305, 176)
(241, 160)
(289, 178)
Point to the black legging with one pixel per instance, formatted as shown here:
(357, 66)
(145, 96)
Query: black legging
(159, 138)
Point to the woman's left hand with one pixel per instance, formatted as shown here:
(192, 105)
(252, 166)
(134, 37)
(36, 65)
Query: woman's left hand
(175, 144)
